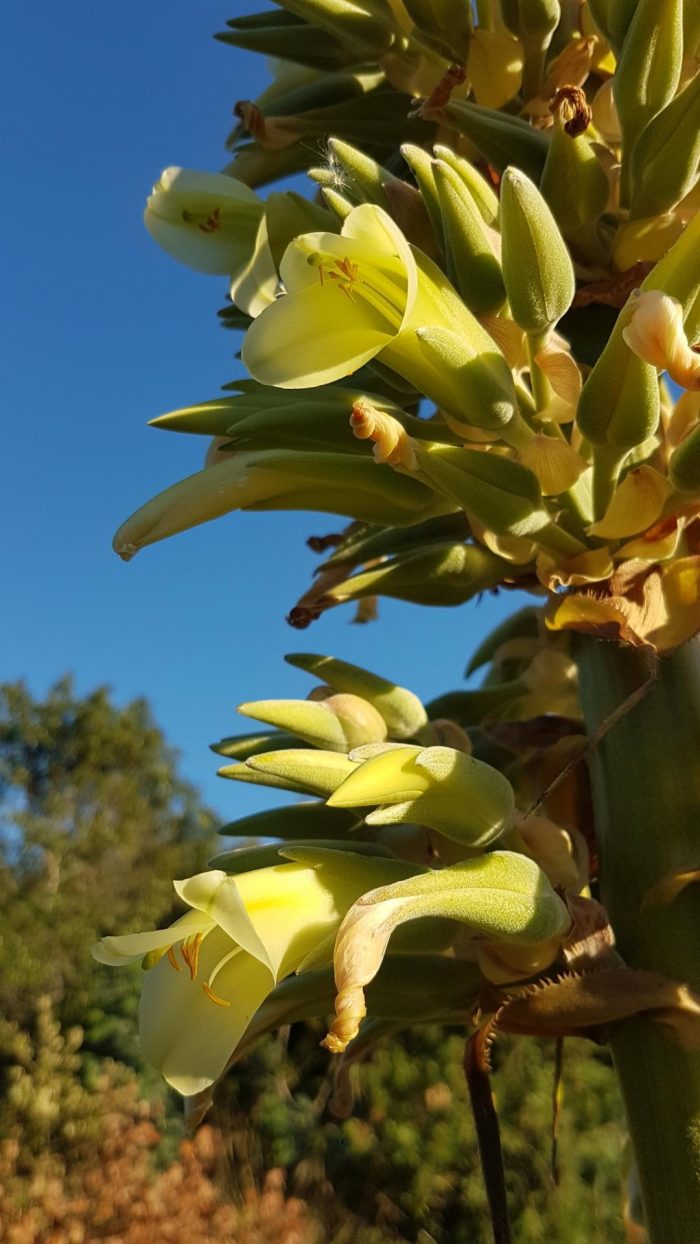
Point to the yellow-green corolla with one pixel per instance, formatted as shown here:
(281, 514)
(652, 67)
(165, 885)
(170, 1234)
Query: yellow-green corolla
(215, 224)
(367, 293)
(210, 971)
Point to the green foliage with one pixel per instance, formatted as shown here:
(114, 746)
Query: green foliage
(405, 1161)
(94, 824)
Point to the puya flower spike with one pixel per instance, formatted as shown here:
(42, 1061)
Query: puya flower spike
(502, 897)
(466, 800)
(208, 973)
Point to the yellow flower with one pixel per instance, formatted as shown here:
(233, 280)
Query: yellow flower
(367, 293)
(211, 970)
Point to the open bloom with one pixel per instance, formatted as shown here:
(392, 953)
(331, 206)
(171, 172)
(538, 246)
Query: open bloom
(211, 970)
(215, 224)
(367, 293)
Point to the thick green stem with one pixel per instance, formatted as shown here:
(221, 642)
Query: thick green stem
(646, 788)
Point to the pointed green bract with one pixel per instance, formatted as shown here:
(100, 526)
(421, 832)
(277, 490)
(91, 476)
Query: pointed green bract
(466, 800)
(472, 264)
(501, 139)
(308, 819)
(401, 709)
(441, 574)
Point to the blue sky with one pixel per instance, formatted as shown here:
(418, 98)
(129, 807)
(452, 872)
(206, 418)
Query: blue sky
(102, 332)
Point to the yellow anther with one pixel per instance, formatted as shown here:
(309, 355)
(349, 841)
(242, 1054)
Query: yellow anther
(172, 960)
(190, 952)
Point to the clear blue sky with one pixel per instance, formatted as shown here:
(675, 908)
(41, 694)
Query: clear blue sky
(103, 332)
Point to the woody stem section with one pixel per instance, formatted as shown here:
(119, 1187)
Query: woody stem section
(646, 788)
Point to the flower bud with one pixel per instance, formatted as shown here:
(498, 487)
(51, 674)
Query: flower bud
(526, 18)
(619, 404)
(537, 269)
(477, 381)
(275, 479)
(481, 194)
(273, 34)
(401, 710)
(504, 495)
(649, 65)
(463, 798)
(368, 25)
(309, 819)
(337, 723)
(338, 204)
(666, 155)
(422, 168)
(472, 262)
(308, 771)
(359, 176)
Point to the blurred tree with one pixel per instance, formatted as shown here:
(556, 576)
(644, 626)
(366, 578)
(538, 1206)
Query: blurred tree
(404, 1166)
(94, 824)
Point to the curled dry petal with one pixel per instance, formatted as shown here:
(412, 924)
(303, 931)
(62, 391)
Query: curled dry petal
(392, 444)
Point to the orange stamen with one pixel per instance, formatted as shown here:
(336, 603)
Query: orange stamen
(190, 952)
(214, 997)
(172, 960)
(213, 222)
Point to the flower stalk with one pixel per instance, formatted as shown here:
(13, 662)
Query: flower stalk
(646, 799)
